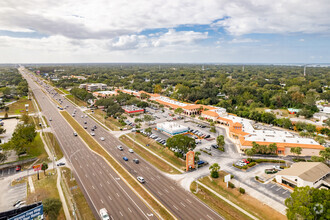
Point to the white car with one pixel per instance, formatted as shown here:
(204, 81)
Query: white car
(131, 150)
(104, 214)
(140, 179)
(86, 116)
(93, 134)
(102, 139)
(82, 116)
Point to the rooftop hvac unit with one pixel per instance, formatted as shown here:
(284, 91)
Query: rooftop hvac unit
(284, 140)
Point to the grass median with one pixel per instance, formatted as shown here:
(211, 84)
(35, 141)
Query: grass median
(245, 201)
(110, 122)
(160, 164)
(76, 100)
(53, 143)
(161, 151)
(93, 145)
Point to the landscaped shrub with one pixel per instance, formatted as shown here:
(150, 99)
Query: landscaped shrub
(241, 190)
(231, 185)
(252, 164)
(257, 178)
(231, 176)
(214, 174)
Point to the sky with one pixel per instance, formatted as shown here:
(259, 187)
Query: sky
(165, 31)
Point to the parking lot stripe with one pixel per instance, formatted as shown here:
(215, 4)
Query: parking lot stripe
(278, 189)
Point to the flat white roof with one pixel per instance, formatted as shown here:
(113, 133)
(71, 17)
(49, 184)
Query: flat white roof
(107, 92)
(171, 101)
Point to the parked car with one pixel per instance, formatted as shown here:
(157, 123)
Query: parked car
(200, 162)
(246, 161)
(271, 171)
(207, 136)
(60, 164)
(277, 167)
(18, 168)
(215, 146)
(125, 158)
(140, 179)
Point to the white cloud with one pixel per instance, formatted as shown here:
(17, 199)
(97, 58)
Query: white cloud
(243, 40)
(301, 40)
(101, 19)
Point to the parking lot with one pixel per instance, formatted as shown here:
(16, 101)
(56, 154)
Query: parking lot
(10, 194)
(7, 171)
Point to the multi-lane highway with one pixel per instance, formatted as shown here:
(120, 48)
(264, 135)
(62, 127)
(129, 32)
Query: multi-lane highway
(101, 185)
(179, 202)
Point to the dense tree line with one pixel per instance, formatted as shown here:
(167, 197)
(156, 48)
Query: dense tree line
(230, 86)
(12, 83)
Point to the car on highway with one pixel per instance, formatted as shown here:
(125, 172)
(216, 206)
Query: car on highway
(92, 129)
(104, 214)
(125, 158)
(86, 116)
(102, 139)
(140, 179)
(75, 134)
(73, 115)
(50, 119)
(136, 161)
(60, 164)
(131, 150)
(120, 147)
(85, 122)
(82, 116)
(85, 127)
(93, 134)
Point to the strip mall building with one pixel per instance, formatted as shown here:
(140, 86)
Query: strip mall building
(241, 129)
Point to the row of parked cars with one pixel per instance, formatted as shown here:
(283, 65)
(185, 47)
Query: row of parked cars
(242, 163)
(200, 134)
(158, 139)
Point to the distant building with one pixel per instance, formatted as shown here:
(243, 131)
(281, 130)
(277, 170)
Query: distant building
(93, 86)
(313, 174)
(172, 128)
(131, 109)
(104, 94)
(326, 109)
(293, 110)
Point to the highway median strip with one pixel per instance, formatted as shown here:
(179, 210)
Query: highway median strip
(146, 196)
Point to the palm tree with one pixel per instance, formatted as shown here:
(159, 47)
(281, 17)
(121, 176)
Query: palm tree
(214, 170)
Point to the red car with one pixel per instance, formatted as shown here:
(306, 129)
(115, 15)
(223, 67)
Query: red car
(246, 161)
(18, 168)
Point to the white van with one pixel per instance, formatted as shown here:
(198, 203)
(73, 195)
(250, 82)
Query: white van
(208, 148)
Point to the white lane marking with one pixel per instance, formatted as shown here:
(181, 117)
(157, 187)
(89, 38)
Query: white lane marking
(109, 197)
(102, 201)
(172, 187)
(86, 176)
(100, 172)
(147, 168)
(93, 187)
(152, 178)
(101, 185)
(284, 192)
(129, 209)
(117, 194)
(175, 207)
(93, 174)
(80, 166)
(108, 182)
(160, 193)
(272, 186)
(120, 213)
(158, 176)
(278, 189)
(209, 216)
(166, 190)
(182, 204)
(188, 200)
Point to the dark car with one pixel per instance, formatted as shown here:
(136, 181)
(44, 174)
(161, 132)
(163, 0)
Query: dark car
(60, 164)
(215, 146)
(200, 162)
(125, 158)
(92, 129)
(136, 161)
(85, 122)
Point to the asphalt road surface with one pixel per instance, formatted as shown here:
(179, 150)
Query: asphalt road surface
(101, 185)
(181, 203)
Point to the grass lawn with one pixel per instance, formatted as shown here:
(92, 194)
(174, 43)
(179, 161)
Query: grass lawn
(52, 142)
(19, 107)
(163, 152)
(44, 188)
(93, 145)
(161, 165)
(110, 122)
(82, 208)
(76, 100)
(245, 201)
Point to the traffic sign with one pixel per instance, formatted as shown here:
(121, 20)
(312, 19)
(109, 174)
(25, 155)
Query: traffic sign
(37, 167)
